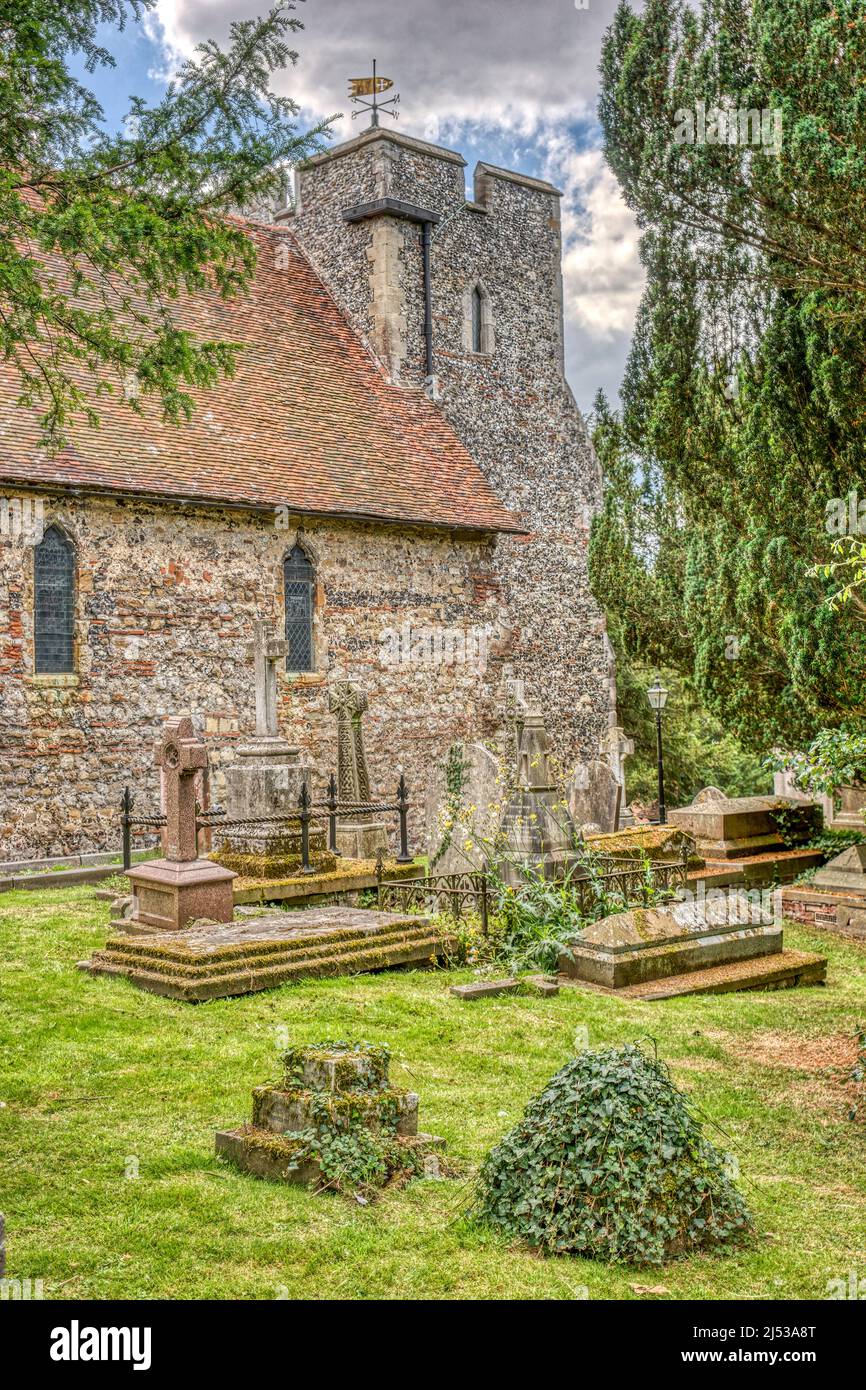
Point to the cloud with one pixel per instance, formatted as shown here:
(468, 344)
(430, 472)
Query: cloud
(513, 81)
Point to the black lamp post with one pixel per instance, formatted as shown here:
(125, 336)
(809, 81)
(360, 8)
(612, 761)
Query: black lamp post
(657, 696)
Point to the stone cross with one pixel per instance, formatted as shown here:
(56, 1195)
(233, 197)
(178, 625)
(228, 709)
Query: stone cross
(515, 709)
(180, 755)
(533, 771)
(265, 651)
(348, 702)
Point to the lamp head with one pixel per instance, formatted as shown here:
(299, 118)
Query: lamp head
(657, 695)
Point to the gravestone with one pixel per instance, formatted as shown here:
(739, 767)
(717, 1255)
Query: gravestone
(536, 827)
(362, 836)
(709, 795)
(266, 780)
(168, 893)
(327, 1093)
(846, 871)
(592, 797)
(463, 809)
(835, 899)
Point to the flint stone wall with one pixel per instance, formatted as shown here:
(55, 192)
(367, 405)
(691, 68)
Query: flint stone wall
(164, 611)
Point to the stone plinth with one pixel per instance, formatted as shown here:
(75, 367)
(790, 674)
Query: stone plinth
(327, 1093)
(361, 840)
(168, 896)
(266, 780)
(850, 813)
(736, 827)
(652, 943)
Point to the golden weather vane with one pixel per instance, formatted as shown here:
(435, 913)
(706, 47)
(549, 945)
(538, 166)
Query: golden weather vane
(361, 87)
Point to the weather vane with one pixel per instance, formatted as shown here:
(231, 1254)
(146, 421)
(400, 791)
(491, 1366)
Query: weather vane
(361, 87)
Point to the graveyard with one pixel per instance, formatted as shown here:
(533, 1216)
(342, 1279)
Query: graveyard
(112, 1188)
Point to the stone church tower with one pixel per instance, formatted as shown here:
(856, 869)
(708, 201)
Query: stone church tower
(463, 298)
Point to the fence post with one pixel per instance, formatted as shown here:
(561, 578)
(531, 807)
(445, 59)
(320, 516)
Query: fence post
(380, 870)
(484, 921)
(304, 802)
(404, 857)
(126, 826)
(332, 814)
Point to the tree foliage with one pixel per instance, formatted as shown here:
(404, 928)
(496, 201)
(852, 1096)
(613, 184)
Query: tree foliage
(742, 417)
(101, 232)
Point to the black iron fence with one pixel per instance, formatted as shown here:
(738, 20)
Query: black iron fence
(449, 894)
(330, 809)
(628, 882)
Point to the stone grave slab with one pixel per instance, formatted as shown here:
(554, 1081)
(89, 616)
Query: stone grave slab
(660, 843)
(640, 948)
(643, 944)
(782, 970)
(213, 961)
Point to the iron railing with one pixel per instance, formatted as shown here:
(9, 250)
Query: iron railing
(603, 876)
(330, 809)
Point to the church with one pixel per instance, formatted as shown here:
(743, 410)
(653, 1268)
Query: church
(397, 479)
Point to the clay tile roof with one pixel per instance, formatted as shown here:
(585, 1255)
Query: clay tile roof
(309, 421)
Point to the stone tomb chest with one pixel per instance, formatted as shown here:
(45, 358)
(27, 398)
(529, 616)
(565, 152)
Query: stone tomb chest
(654, 943)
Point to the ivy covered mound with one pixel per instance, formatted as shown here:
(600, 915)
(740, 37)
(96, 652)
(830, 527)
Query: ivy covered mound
(333, 1121)
(609, 1162)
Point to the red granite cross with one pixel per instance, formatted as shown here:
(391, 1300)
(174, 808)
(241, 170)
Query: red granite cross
(180, 755)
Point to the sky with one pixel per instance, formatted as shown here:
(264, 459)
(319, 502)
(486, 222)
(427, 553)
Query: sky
(511, 82)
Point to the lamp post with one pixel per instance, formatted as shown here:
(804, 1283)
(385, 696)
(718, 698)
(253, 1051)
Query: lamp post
(657, 696)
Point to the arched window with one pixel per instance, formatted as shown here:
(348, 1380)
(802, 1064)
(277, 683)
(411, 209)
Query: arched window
(298, 581)
(476, 334)
(54, 602)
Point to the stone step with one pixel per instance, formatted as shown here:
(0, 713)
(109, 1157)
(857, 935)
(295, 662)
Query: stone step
(782, 970)
(277, 971)
(136, 952)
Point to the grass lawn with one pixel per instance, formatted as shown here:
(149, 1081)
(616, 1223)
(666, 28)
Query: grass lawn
(99, 1080)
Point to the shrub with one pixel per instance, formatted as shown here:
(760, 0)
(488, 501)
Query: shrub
(609, 1162)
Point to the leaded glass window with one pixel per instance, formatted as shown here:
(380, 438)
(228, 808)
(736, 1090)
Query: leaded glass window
(476, 320)
(54, 607)
(298, 579)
